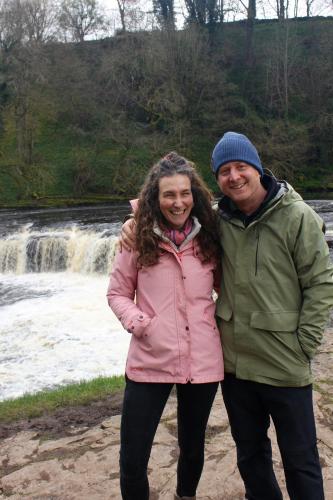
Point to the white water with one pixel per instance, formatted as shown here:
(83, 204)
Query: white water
(55, 324)
(73, 249)
(66, 334)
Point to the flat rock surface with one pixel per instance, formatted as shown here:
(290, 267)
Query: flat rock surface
(71, 457)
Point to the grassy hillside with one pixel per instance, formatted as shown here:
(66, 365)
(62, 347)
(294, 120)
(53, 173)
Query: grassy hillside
(83, 122)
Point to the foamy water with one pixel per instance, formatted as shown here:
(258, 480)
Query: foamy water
(66, 333)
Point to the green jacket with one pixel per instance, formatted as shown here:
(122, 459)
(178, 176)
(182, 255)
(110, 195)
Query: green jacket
(276, 291)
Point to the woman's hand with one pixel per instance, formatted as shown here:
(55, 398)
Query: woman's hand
(127, 236)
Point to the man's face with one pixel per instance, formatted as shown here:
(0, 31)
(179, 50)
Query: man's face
(240, 182)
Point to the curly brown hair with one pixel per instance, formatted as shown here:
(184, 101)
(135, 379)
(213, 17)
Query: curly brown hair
(149, 213)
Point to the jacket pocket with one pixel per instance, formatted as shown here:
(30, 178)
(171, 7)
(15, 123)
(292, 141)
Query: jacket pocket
(148, 331)
(302, 349)
(279, 335)
(280, 321)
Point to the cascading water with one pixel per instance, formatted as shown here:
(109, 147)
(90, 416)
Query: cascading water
(55, 324)
(73, 249)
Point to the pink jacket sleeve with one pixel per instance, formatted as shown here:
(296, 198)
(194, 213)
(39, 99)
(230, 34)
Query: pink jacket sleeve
(121, 293)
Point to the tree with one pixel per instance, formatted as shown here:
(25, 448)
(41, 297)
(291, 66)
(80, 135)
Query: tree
(314, 7)
(309, 4)
(39, 18)
(203, 12)
(128, 10)
(81, 18)
(22, 50)
(251, 16)
(122, 12)
(26, 21)
(250, 8)
(164, 11)
(281, 10)
(11, 24)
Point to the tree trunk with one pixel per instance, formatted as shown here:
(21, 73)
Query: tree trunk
(121, 8)
(251, 15)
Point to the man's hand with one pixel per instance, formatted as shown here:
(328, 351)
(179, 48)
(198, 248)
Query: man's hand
(127, 236)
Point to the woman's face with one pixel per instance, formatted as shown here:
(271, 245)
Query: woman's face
(175, 199)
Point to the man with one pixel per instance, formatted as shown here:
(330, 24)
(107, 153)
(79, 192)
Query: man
(274, 301)
(275, 296)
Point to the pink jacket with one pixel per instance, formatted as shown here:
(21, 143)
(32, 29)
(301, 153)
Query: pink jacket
(169, 310)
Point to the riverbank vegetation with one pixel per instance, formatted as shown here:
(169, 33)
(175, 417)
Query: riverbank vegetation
(45, 402)
(84, 119)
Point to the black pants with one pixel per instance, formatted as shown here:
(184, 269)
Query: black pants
(142, 410)
(249, 406)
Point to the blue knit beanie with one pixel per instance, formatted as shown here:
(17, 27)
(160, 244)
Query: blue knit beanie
(235, 147)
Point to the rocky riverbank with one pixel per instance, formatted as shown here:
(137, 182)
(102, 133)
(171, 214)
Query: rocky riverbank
(75, 455)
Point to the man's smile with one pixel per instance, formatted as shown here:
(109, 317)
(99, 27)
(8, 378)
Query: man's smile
(238, 186)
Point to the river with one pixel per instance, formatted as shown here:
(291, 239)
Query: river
(55, 325)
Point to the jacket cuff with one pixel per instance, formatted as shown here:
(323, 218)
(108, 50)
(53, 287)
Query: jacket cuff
(138, 324)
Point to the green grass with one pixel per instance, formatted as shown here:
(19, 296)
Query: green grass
(82, 393)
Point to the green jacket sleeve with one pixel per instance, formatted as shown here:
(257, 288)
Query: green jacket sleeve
(315, 272)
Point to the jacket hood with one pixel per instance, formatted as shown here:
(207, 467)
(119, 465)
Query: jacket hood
(287, 194)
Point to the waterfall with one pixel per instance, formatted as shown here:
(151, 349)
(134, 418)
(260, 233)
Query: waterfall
(73, 249)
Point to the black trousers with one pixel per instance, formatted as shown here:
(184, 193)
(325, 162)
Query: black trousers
(249, 406)
(142, 410)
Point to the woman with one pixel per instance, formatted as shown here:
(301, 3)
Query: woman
(175, 339)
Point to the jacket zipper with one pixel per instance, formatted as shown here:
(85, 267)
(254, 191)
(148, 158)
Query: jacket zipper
(257, 253)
